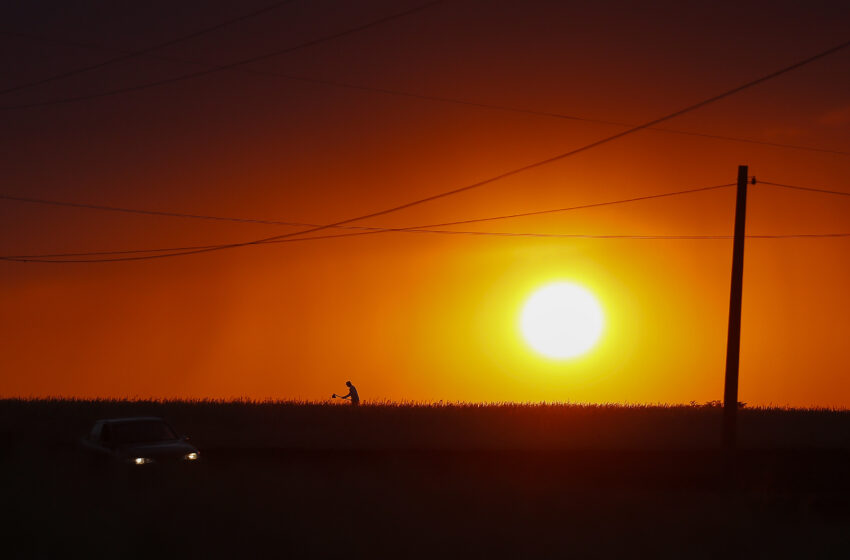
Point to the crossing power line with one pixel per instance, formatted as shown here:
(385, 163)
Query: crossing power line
(807, 189)
(495, 178)
(221, 67)
(65, 258)
(424, 229)
(361, 230)
(424, 97)
(169, 214)
(146, 51)
(506, 174)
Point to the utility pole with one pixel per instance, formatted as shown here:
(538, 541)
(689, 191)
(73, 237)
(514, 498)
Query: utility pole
(733, 342)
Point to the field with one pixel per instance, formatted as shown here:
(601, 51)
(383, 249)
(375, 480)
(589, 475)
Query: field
(500, 481)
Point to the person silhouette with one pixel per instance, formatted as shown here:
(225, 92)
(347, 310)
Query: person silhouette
(352, 394)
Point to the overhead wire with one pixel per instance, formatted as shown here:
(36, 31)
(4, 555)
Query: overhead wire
(511, 172)
(134, 54)
(145, 212)
(503, 175)
(362, 230)
(440, 99)
(54, 258)
(807, 189)
(66, 257)
(170, 214)
(221, 67)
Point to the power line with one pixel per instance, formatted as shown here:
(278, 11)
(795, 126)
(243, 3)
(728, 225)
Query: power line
(120, 209)
(799, 236)
(579, 207)
(222, 67)
(514, 171)
(145, 51)
(752, 141)
(363, 230)
(808, 189)
(550, 114)
(58, 257)
(65, 257)
(442, 99)
(107, 208)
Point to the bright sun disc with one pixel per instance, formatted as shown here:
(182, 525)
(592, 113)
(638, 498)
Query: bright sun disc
(562, 320)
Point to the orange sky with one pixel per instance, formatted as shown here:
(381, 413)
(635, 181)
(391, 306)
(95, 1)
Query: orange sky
(419, 316)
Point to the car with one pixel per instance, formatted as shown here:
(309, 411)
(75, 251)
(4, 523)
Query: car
(138, 442)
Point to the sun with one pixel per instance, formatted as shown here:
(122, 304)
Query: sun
(562, 320)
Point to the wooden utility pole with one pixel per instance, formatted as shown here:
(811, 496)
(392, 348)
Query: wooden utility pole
(733, 342)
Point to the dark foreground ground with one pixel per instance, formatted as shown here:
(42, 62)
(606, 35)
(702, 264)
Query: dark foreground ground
(477, 493)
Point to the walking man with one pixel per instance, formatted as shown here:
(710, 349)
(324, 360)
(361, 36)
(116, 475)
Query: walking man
(352, 394)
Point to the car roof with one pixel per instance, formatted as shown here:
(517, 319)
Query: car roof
(131, 419)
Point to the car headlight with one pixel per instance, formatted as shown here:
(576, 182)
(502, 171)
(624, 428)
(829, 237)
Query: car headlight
(141, 460)
(192, 456)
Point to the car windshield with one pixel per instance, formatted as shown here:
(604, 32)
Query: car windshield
(140, 431)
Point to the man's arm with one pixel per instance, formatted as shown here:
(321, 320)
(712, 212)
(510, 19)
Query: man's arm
(345, 396)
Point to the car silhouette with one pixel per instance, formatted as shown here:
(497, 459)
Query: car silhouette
(138, 442)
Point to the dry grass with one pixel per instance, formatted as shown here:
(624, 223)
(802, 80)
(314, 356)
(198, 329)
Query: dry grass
(389, 425)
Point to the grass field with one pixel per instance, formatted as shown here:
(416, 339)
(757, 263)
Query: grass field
(500, 481)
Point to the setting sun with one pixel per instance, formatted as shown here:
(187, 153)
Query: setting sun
(562, 320)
